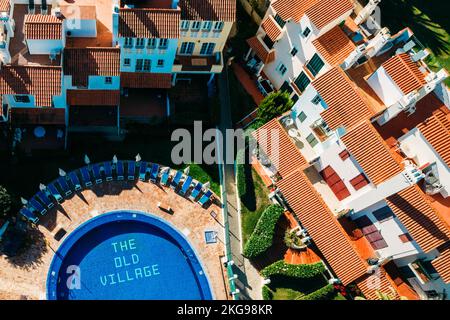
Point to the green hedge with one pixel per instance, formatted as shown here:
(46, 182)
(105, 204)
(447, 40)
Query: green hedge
(324, 293)
(267, 294)
(293, 270)
(240, 173)
(262, 237)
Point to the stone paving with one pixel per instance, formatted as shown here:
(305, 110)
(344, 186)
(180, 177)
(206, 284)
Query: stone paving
(24, 277)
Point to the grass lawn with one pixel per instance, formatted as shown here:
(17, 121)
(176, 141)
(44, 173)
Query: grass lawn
(287, 288)
(429, 22)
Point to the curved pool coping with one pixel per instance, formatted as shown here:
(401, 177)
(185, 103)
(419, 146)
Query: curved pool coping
(127, 215)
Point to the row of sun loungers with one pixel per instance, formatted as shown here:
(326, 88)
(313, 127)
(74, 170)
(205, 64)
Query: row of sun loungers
(64, 186)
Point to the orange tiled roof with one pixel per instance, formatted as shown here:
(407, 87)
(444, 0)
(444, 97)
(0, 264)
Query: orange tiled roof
(322, 226)
(369, 284)
(145, 80)
(276, 144)
(93, 97)
(271, 28)
(345, 105)
(260, 50)
(42, 27)
(441, 263)
(81, 63)
(40, 116)
(149, 23)
(368, 148)
(438, 135)
(335, 46)
(208, 10)
(43, 82)
(5, 5)
(404, 72)
(419, 218)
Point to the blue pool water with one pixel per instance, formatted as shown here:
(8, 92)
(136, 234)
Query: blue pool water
(126, 255)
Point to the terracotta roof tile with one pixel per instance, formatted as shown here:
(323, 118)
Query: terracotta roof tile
(420, 219)
(208, 10)
(335, 46)
(370, 284)
(42, 27)
(93, 97)
(40, 116)
(276, 144)
(370, 151)
(442, 263)
(322, 226)
(5, 5)
(43, 82)
(345, 105)
(149, 23)
(271, 28)
(404, 72)
(265, 55)
(292, 9)
(145, 80)
(81, 63)
(436, 133)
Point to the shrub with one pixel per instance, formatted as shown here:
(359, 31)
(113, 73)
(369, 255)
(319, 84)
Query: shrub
(5, 203)
(324, 293)
(302, 271)
(262, 237)
(267, 294)
(274, 105)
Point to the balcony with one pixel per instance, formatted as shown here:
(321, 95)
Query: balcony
(200, 64)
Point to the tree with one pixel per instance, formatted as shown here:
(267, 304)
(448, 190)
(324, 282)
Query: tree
(274, 105)
(5, 202)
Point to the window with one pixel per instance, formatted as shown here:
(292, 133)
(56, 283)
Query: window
(207, 26)
(207, 48)
(218, 26)
(312, 140)
(151, 44)
(163, 43)
(281, 69)
(195, 25)
(301, 116)
(22, 98)
(359, 181)
(317, 99)
(160, 63)
(294, 98)
(344, 155)
(268, 42)
(108, 80)
(147, 64)
(315, 64)
(187, 48)
(139, 42)
(184, 25)
(306, 32)
(280, 21)
(294, 51)
(139, 63)
(126, 62)
(128, 43)
(286, 87)
(302, 81)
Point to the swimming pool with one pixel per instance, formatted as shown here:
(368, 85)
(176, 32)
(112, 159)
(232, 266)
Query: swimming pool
(126, 255)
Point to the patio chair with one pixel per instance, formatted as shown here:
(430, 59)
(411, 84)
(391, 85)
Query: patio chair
(29, 215)
(97, 175)
(196, 191)
(176, 180)
(186, 185)
(119, 170)
(75, 181)
(54, 192)
(165, 177)
(43, 197)
(64, 186)
(37, 206)
(205, 198)
(131, 170)
(108, 171)
(154, 172)
(86, 177)
(143, 171)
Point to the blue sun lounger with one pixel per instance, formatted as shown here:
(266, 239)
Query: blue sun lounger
(54, 192)
(131, 170)
(196, 191)
(165, 177)
(119, 170)
(85, 176)
(154, 172)
(64, 186)
(143, 171)
(29, 215)
(205, 198)
(37, 206)
(97, 175)
(41, 195)
(75, 181)
(176, 180)
(108, 171)
(186, 184)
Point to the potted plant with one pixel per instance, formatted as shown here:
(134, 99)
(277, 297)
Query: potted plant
(293, 241)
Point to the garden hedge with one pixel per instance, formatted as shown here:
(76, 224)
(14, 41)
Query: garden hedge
(293, 270)
(262, 237)
(324, 293)
(267, 294)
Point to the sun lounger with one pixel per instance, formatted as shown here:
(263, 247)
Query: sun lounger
(29, 215)
(75, 181)
(54, 192)
(196, 191)
(154, 172)
(205, 197)
(43, 197)
(176, 180)
(64, 186)
(85, 176)
(119, 170)
(143, 171)
(97, 174)
(186, 185)
(108, 171)
(165, 177)
(131, 170)
(37, 206)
